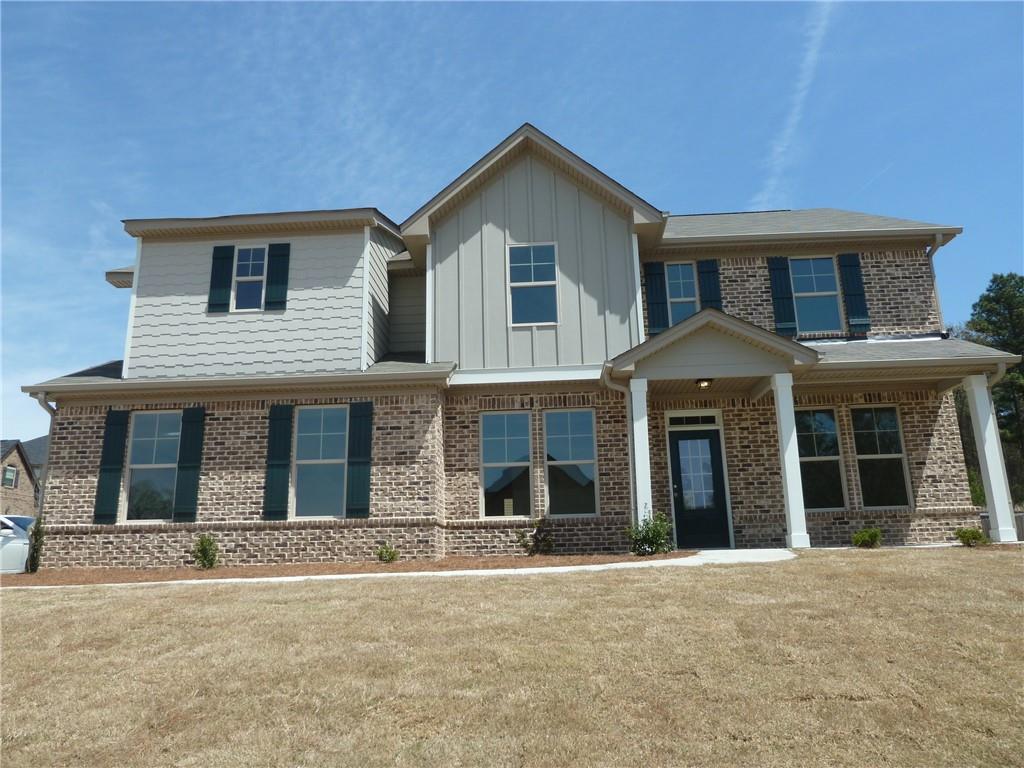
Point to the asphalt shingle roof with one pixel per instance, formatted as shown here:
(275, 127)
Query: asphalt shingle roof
(884, 351)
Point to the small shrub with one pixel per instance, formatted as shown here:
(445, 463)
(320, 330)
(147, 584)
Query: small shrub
(386, 553)
(651, 537)
(868, 538)
(35, 545)
(971, 537)
(539, 540)
(206, 553)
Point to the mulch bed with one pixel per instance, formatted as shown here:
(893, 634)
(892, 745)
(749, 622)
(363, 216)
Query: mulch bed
(68, 576)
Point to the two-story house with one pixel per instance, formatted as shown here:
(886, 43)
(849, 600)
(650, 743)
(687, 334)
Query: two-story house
(536, 340)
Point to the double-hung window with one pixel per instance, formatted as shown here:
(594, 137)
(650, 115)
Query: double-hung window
(815, 295)
(533, 284)
(321, 445)
(250, 271)
(681, 285)
(571, 458)
(881, 463)
(505, 462)
(821, 470)
(10, 479)
(153, 464)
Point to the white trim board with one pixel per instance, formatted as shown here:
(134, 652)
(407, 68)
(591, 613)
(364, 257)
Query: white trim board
(526, 375)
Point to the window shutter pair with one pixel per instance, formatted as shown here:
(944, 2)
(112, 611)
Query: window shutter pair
(851, 283)
(708, 286)
(279, 456)
(190, 459)
(276, 288)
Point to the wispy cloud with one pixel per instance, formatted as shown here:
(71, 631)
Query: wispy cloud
(774, 192)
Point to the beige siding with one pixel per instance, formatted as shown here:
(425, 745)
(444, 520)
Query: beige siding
(408, 305)
(530, 202)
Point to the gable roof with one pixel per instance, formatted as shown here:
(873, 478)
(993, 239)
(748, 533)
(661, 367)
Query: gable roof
(528, 137)
(9, 446)
(36, 450)
(806, 224)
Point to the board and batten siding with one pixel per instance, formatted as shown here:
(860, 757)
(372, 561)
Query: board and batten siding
(173, 335)
(530, 202)
(408, 296)
(380, 248)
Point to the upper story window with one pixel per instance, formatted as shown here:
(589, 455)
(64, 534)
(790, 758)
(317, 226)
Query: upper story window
(815, 295)
(681, 285)
(10, 479)
(533, 284)
(250, 268)
(505, 463)
(321, 454)
(153, 465)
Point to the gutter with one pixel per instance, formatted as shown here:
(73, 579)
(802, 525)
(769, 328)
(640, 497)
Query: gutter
(811, 236)
(40, 397)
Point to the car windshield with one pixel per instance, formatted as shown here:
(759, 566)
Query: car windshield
(22, 521)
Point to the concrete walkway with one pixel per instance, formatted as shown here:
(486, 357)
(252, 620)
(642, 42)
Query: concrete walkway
(703, 557)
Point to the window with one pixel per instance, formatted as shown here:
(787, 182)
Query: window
(533, 284)
(505, 460)
(250, 264)
(821, 468)
(815, 295)
(10, 477)
(681, 284)
(571, 462)
(880, 460)
(321, 446)
(153, 465)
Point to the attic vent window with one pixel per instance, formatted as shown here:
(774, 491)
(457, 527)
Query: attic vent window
(533, 284)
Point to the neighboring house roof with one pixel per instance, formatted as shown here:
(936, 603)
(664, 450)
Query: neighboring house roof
(254, 223)
(37, 450)
(806, 224)
(7, 447)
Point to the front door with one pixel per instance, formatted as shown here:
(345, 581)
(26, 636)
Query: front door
(698, 489)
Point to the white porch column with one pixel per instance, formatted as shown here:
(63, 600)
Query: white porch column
(789, 459)
(641, 449)
(990, 456)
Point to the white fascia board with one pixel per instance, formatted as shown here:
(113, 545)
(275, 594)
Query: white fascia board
(527, 375)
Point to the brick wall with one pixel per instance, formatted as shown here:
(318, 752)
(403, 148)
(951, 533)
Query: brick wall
(21, 499)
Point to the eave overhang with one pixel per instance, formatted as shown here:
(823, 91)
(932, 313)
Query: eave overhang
(917, 234)
(259, 223)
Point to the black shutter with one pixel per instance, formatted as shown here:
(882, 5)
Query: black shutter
(853, 294)
(108, 489)
(220, 278)
(782, 296)
(279, 457)
(190, 460)
(360, 448)
(657, 299)
(707, 279)
(277, 276)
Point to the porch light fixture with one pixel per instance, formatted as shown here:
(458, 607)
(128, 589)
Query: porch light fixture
(704, 383)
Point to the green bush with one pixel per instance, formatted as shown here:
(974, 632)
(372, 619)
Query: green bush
(868, 538)
(539, 540)
(35, 545)
(205, 552)
(386, 553)
(651, 537)
(971, 537)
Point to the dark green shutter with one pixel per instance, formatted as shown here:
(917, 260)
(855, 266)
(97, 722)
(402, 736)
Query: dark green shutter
(707, 279)
(853, 294)
(782, 296)
(190, 460)
(220, 278)
(279, 458)
(360, 449)
(657, 298)
(108, 489)
(277, 276)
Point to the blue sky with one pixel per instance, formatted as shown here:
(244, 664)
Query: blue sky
(115, 111)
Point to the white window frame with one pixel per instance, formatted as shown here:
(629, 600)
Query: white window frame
(14, 479)
(126, 483)
(293, 475)
(235, 279)
(483, 466)
(840, 458)
(548, 463)
(868, 457)
(509, 285)
(696, 289)
(837, 293)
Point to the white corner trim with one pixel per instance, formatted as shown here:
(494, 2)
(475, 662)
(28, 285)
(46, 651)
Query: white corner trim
(364, 351)
(527, 375)
(429, 358)
(131, 309)
(638, 308)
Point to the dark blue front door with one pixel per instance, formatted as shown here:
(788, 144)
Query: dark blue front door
(698, 489)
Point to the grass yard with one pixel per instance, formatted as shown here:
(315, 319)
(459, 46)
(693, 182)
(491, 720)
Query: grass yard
(838, 658)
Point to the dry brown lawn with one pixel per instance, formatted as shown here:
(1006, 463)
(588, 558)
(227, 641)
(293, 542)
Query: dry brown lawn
(838, 658)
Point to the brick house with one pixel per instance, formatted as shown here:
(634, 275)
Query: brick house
(19, 487)
(536, 340)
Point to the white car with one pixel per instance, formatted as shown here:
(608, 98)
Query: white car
(14, 542)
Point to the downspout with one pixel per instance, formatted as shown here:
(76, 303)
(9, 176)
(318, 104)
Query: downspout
(40, 397)
(935, 283)
(606, 380)
(997, 376)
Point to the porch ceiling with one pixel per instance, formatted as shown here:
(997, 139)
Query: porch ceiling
(740, 386)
